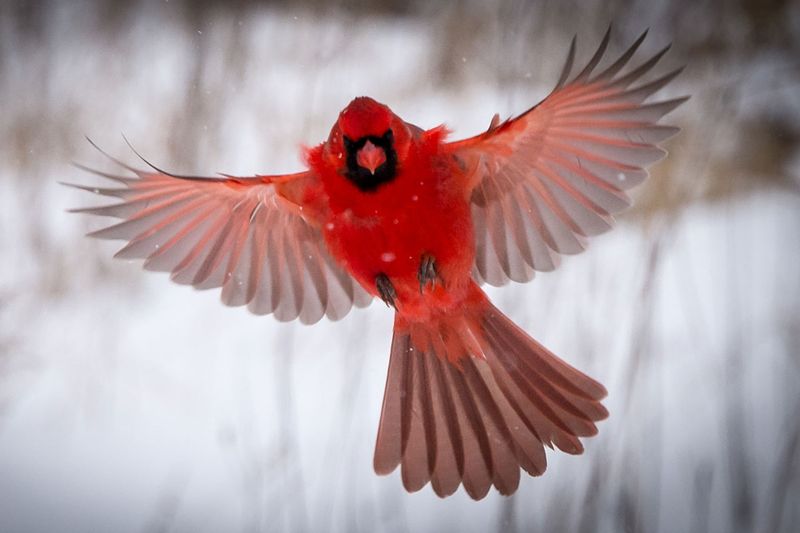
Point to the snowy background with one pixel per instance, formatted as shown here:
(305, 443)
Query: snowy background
(128, 403)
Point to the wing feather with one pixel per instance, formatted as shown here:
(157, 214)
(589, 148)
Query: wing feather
(556, 174)
(239, 234)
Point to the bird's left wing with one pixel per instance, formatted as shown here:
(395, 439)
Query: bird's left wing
(544, 181)
(250, 236)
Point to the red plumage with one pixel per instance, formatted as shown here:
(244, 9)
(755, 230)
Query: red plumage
(425, 209)
(388, 209)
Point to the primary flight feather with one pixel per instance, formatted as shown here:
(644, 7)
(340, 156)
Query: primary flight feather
(391, 210)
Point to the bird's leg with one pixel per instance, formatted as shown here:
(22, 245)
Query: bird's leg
(427, 273)
(386, 290)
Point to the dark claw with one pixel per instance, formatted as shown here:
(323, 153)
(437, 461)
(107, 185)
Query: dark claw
(386, 290)
(427, 272)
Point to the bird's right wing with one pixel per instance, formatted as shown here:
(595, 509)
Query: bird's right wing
(246, 235)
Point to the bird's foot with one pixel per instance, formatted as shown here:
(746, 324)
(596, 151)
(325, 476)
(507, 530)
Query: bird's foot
(427, 273)
(386, 290)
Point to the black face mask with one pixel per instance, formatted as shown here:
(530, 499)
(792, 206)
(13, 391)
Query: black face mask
(360, 176)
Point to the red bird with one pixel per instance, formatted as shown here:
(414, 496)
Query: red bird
(391, 210)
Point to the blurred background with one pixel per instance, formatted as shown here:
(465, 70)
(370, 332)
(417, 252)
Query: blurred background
(128, 403)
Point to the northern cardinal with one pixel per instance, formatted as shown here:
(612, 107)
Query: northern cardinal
(391, 210)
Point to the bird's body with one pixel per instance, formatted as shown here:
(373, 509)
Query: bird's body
(423, 211)
(390, 210)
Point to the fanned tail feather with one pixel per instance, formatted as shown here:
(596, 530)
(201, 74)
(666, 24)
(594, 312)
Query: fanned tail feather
(470, 399)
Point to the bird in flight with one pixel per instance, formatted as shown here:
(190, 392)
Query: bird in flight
(388, 209)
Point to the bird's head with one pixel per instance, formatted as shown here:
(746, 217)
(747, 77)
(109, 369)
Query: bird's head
(365, 117)
(366, 139)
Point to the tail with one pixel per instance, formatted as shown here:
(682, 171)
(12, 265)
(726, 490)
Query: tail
(471, 398)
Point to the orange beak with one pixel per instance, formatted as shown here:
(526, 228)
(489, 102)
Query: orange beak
(371, 157)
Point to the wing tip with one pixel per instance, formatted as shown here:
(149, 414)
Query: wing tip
(148, 163)
(567, 68)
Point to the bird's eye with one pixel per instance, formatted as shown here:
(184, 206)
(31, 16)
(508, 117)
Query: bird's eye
(347, 142)
(389, 135)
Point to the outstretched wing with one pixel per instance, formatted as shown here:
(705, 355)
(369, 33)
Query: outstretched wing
(549, 178)
(242, 234)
